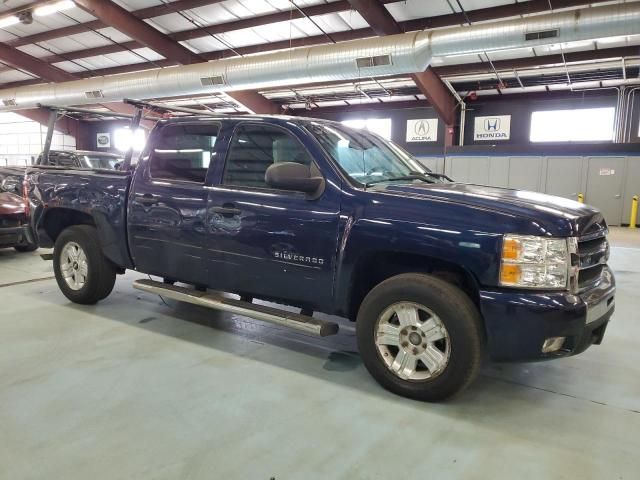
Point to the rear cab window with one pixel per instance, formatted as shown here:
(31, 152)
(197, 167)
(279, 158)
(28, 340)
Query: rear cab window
(183, 152)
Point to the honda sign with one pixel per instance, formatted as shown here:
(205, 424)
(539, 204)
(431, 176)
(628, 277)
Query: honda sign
(497, 127)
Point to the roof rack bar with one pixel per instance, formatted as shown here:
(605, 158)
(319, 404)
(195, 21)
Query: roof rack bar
(168, 108)
(89, 111)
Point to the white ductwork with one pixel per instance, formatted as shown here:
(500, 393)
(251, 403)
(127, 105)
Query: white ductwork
(372, 57)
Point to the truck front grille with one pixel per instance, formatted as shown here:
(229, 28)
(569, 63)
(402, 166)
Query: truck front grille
(592, 255)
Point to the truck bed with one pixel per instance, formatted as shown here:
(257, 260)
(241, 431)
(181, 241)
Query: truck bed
(97, 195)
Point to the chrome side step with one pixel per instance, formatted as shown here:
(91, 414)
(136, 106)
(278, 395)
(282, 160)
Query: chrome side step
(302, 323)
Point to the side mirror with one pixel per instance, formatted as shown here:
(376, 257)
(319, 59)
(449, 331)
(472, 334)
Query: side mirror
(294, 176)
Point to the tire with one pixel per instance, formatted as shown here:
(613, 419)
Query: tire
(388, 345)
(100, 273)
(27, 247)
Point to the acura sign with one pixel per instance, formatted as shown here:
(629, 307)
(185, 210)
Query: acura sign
(422, 130)
(493, 128)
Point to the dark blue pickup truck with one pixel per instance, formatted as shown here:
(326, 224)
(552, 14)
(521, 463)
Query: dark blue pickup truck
(315, 215)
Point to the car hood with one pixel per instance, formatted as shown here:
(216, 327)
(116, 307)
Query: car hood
(561, 216)
(11, 204)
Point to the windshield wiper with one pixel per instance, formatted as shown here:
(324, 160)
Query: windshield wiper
(414, 176)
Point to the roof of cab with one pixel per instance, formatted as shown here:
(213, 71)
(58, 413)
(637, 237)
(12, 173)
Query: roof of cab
(235, 118)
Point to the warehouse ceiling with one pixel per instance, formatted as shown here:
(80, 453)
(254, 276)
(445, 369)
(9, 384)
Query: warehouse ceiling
(73, 43)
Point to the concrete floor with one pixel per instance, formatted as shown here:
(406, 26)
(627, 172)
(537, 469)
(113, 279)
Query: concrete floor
(133, 389)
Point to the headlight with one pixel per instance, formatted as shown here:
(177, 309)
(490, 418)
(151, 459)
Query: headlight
(535, 262)
(10, 184)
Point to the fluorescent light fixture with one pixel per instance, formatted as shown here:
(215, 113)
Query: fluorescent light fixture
(8, 21)
(53, 8)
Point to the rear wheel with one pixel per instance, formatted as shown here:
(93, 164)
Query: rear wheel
(420, 337)
(83, 273)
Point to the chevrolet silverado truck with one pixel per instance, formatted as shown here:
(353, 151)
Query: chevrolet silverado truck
(232, 211)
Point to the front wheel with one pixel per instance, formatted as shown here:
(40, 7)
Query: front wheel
(420, 337)
(83, 273)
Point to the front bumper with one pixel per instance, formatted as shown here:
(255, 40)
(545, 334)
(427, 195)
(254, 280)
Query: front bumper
(518, 322)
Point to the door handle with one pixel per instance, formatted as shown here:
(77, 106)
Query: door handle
(618, 196)
(227, 210)
(147, 199)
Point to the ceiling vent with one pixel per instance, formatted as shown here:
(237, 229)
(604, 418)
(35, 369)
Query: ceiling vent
(9, 102)
(94, 94)
(541, 35)
(371, 62)
(214, 81)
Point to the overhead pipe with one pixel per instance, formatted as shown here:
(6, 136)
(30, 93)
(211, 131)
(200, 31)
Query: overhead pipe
(371, 57)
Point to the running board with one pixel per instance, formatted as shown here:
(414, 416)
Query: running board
(302, 323)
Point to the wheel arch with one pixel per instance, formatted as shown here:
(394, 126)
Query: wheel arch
(374, 267)
(55, 220)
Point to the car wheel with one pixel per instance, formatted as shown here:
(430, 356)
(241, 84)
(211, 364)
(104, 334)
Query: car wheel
(420, 337)
(83, 273)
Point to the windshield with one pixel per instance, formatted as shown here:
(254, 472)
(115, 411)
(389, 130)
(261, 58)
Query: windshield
(367, 158)
(99, 161)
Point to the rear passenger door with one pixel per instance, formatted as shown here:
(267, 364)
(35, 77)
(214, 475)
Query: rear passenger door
(267, 242)
(168, 202)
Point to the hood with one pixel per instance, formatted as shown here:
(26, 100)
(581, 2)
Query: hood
(556, 216)
(11, 204)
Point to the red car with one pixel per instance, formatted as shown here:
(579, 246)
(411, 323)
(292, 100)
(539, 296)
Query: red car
(14, 224)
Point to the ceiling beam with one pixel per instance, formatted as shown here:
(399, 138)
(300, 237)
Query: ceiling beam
(44, 71)
(117, 17)
(143, 13)
(429, 83)
(22, 61)
(538, 61)
(483, 14)
(478, 15)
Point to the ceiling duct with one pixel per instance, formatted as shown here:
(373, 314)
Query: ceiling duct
(371, 57)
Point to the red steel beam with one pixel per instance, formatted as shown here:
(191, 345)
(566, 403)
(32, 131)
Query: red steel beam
(22, 61)
(478, 15)
(46, 72)
(143, 13)
(429, 83)
(114, 15)
(491, 13)
(483, 14)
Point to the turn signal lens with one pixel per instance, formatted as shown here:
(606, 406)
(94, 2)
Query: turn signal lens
(511, 249)
(510, 274)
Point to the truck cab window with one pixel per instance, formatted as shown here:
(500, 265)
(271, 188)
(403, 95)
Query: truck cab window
(254, 148)
(183, 152)
(62, 160)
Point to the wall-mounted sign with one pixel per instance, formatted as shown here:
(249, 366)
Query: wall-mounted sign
(103, 140)
(422, 130)
(493, 128)
(607, 171)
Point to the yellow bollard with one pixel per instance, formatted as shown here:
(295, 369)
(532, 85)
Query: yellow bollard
(581, 198)
(634, 212)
